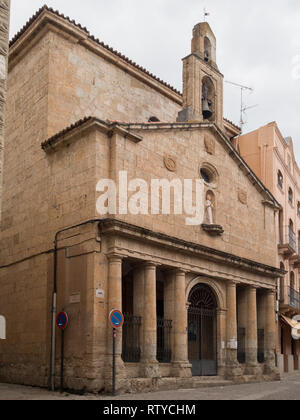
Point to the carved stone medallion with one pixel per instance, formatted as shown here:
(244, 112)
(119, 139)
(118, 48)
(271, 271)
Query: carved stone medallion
(170, 163)
(243, 198)
(209, 145)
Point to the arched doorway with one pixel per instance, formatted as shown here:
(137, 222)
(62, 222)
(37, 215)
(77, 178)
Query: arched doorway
(202, 331)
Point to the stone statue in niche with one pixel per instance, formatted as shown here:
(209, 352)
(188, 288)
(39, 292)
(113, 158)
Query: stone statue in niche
(209, 213)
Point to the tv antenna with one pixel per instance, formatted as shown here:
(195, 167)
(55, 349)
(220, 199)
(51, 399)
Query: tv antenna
(243, 107)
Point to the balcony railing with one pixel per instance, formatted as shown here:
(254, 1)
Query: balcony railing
(290, 297)
(290, 239)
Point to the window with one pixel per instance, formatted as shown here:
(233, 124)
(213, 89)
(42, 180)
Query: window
(292, 236)
(280, 179)
(206, 176)
(298, 208)
(282, 267)
(291, 196)
(209, 174)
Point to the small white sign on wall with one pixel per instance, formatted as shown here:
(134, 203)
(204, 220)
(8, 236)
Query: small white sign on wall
(100, 293)
(2, 328)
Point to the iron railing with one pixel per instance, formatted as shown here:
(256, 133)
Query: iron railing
(293, 298)
(164, 329)
(261, 346)
(131, 352)
(290, 297)
(289, 239)
(292, 240)
(241, 353)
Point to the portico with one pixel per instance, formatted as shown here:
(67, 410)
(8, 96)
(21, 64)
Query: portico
(181, 322)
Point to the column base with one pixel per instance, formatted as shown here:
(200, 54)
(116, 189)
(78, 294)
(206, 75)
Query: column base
(253, 369)
(150, 369)
(181, 370)
(270, 368)
(272, 372)
(233, 369)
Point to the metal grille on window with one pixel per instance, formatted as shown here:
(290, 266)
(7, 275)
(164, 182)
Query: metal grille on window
(131, 339)
(164, 328)
(241, 354)
(261, 346)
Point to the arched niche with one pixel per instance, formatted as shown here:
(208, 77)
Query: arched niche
(208, 99)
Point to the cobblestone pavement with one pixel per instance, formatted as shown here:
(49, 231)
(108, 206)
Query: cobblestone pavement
(287, 389)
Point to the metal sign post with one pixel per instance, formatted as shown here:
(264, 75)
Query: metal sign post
(62, 321)
(114, 362)
(116, 319)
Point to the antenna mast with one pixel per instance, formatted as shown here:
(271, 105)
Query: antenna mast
(243, 107)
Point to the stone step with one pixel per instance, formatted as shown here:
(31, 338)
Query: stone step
(170, 384)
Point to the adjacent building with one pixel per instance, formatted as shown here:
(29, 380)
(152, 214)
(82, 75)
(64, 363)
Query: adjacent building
(198, 300)
(271, 157)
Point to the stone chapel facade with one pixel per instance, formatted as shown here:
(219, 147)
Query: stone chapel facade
(198, 300)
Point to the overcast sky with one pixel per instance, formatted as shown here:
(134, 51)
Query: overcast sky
(258, 45)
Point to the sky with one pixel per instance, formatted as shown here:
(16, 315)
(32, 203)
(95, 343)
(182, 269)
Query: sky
(258, 45)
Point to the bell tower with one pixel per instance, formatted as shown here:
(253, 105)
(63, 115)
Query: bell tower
(202, 80)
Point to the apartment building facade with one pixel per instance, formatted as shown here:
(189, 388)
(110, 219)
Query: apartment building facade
(272, 158)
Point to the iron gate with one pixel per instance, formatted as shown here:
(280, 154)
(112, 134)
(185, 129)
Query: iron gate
(202, 332)
(241, 353)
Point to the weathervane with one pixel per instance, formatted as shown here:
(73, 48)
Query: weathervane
(205, 13)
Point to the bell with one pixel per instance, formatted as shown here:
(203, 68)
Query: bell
(206, 111)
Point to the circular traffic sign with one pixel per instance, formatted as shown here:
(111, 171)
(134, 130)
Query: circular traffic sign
(62, 320)
(116, 318)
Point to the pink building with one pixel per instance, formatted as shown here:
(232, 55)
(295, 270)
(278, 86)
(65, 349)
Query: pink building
(271, 157)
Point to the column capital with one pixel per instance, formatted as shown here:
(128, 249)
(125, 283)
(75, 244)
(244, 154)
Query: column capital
(231, 283)
(252, 288)
(113, 256)
(177, 270)
(270, 292)
(150, 264)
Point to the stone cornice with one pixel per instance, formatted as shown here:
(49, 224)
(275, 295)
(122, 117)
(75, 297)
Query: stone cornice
(81, 127)
(118, 227)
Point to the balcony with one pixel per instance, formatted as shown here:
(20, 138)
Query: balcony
(288, 246)
(295, 259)
(289, 300)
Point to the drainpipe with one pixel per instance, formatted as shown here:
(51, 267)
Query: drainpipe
(54, 297)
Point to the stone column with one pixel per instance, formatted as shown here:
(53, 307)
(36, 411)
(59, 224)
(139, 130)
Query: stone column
(149, 361)
(138, 299)
(114, 302)
(270, 335)
(252, 367)
(233, 369)
(221, 331)
(181, 365)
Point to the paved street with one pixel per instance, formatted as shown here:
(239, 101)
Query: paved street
(287, 389)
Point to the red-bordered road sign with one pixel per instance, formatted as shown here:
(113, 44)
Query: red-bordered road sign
(62, 320)
(116, 318)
